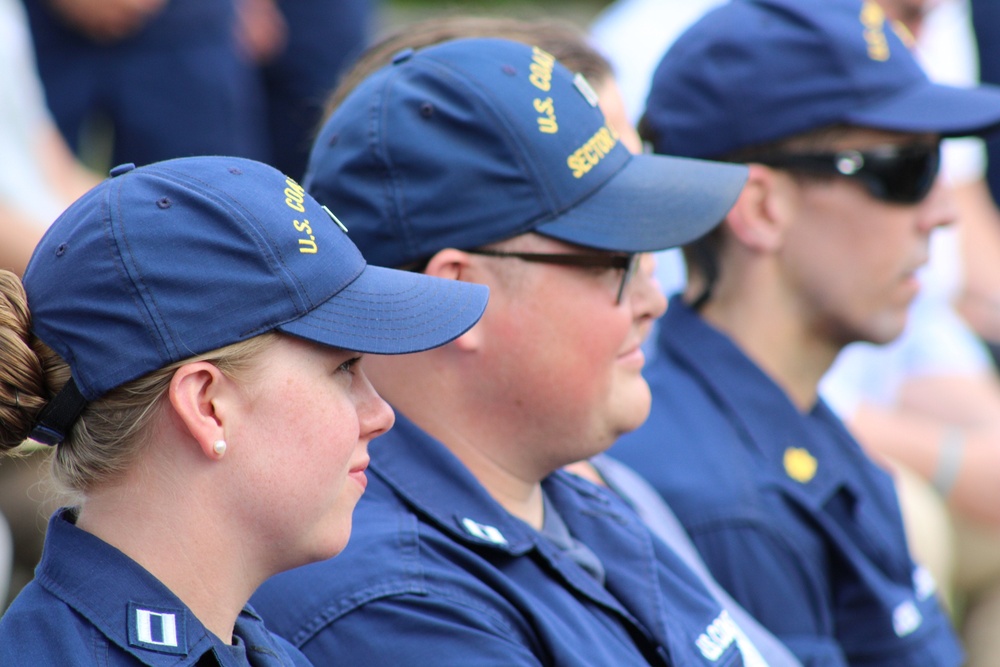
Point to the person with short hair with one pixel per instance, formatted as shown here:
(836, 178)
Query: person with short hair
(188, 338)
(569, 45)
(487, 161)
(841, 129)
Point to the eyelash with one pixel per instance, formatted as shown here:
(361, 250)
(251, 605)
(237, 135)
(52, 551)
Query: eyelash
(348, 366)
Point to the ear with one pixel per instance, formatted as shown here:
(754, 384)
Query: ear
(449, 263)
(197, 393)
(454, 264)
(762, 211)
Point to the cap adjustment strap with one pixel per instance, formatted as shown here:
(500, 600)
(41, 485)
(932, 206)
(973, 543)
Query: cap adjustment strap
(59, 415)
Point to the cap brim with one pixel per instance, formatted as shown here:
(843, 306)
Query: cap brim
(385, 311)
(654, 202)
(946, 110)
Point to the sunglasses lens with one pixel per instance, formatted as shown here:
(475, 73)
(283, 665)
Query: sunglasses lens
(902, 175)
(633, 264)
(905, 176)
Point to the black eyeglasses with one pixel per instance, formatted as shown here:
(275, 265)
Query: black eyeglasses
(627, 263)
(899, 174)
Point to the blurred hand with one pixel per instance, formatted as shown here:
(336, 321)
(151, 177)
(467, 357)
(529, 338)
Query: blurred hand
(260, 29)
(107, 20)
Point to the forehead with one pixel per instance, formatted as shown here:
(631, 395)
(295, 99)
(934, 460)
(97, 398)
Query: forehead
(535, 242)
(904, 10)
(860, 138)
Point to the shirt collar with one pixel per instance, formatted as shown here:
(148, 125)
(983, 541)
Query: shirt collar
(811, 457)
(423, 471)
(130, 606)
(811, 453)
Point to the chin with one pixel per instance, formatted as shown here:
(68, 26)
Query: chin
(887, 329)
(328, 545)
(635, 411)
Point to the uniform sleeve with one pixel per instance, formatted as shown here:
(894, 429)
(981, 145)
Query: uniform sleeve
(777, 584)
(420, 630)
(33, 631)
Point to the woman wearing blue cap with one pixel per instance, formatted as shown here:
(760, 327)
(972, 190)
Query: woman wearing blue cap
(192, 352)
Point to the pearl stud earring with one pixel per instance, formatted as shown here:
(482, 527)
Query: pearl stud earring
(219, 447)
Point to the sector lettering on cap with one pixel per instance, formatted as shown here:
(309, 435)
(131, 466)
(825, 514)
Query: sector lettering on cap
(157, 629)
(590, 154)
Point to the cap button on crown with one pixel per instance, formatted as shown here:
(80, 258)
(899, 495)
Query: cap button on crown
(122, 169)
(402, 56)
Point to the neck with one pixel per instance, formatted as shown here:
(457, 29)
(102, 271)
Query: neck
(777, 339)
(195, 559)
(520, 496)
(436, 397)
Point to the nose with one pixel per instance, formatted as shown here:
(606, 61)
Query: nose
(375, 416)
(644, 293)
(938, 208)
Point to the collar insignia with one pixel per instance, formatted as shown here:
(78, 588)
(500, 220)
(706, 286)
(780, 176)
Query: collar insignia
(162, 630)
(800, 464)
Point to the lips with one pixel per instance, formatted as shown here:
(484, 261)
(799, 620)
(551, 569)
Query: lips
(633, 358)
(358, 475)
(635, 345)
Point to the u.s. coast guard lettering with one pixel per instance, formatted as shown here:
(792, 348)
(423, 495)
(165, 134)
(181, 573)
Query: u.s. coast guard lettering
(873, 20)
(295, 199)
(587, 157)
(541, 69)
(541, 78)
(294, 196)
(547, 118)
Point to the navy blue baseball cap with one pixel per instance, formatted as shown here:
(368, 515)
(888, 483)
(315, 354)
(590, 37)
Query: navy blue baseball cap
(178, 258)
(756, 71)
(474, 141)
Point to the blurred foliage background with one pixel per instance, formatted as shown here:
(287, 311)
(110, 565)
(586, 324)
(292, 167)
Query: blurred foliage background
(580, 12)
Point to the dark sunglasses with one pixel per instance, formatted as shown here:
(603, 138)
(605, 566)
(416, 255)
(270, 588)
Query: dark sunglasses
(898, 174)
(627, 263)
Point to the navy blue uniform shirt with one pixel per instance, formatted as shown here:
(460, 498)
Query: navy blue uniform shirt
(438, 573)
(790, 515)
(182, 85)
(90, 604)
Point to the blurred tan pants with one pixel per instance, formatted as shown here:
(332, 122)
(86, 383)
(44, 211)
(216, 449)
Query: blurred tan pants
(964, 559)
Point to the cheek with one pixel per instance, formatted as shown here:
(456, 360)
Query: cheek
(318, 491)
(878, 263)
(312, 441)
(334, 432)
(591, 348)
(838, 249)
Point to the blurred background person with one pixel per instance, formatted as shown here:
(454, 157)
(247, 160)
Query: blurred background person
(321, 38)
(698, 114)
(146, 80)
(927, 405)
(38, 175)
